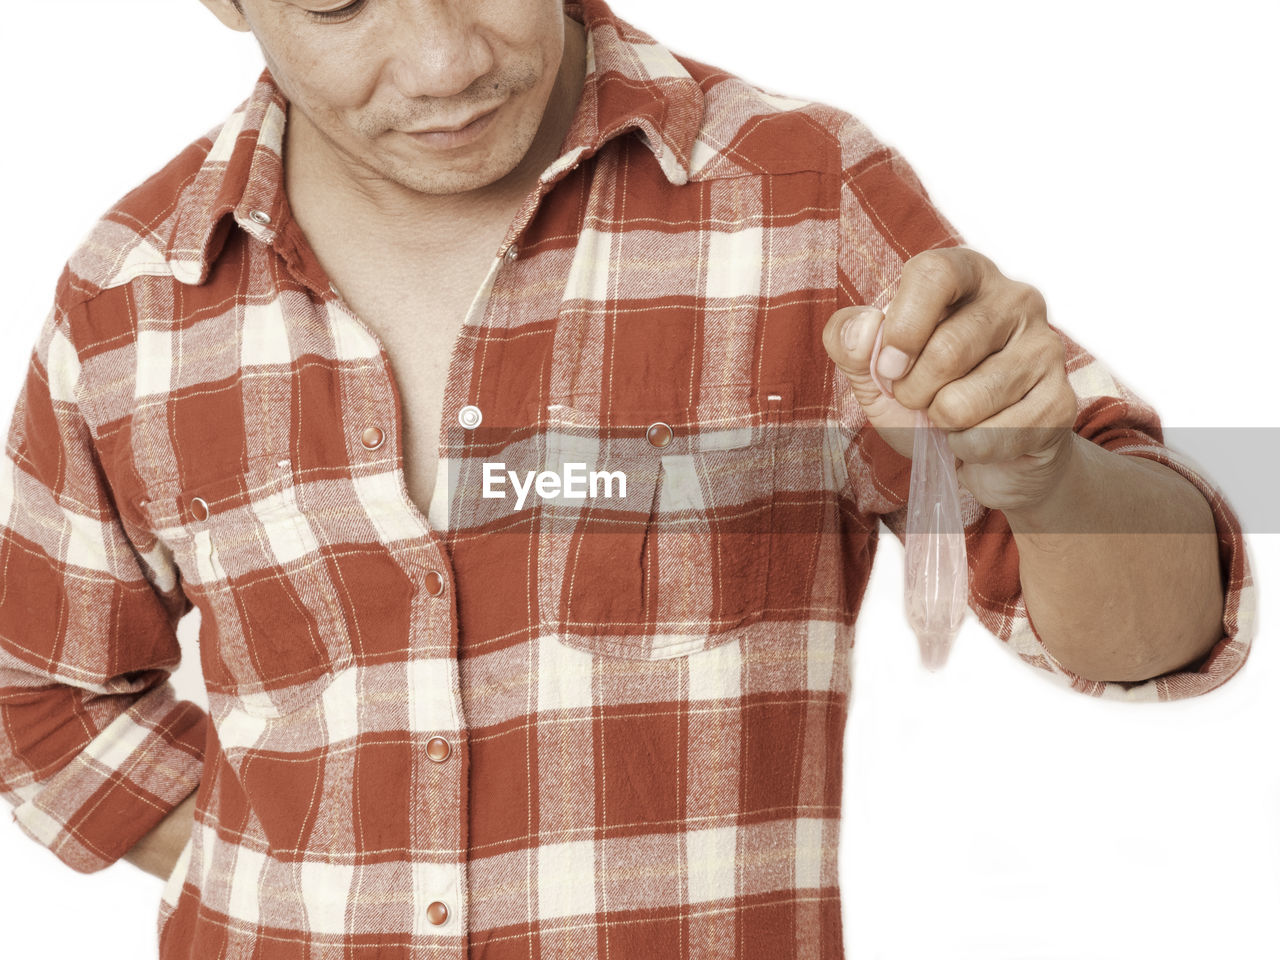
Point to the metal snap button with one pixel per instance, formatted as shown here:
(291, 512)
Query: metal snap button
(659, 434)
(199, 508)
(435, 584)
(513, 251)
(469, 416)
(438, 749)
(260, 216)
(372, 438)
(437, 912)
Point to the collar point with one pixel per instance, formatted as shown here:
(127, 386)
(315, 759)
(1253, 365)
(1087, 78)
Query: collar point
(676, 172)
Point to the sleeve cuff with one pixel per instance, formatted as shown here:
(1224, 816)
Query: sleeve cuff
(125, 781)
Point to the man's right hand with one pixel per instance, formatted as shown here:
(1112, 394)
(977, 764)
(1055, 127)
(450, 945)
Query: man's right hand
(158, 851)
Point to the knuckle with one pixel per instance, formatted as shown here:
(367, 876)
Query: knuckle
(992, 398)
(1026, 305)
(1032, 301)
(949, 352)
(949, 408)
(1055, 410)
(982, 317)
(931, 266)
(1054, 353)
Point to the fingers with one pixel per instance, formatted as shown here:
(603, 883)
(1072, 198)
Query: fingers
(1030, 426)
(932, 284)
(1009, 320)
(999, 380)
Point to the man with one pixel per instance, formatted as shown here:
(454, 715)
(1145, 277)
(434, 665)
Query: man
(438, 720)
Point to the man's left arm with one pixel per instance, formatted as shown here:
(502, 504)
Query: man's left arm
(1119, 566)
(1130, 574)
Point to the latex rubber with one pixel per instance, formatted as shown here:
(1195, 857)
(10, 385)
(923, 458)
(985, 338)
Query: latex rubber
(936, 577)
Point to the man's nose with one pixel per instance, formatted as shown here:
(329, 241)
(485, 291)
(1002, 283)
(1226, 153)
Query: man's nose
(437, 51)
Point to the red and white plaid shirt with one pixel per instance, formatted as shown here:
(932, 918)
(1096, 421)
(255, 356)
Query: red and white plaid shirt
(567, 727)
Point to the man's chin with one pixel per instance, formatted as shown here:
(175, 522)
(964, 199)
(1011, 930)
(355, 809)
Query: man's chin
(441, 182)
(460, 175)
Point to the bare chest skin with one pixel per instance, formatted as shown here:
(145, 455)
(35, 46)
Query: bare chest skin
(417, 312)
(411, 279)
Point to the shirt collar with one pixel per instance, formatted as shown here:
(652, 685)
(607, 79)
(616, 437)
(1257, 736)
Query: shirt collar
(632, 83)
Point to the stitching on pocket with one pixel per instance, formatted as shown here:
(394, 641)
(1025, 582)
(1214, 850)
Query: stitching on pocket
(720, 570)
(595, 535)
(279, 636)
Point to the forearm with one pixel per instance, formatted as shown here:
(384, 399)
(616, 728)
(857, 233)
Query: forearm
(1124, 605)
(158, 851)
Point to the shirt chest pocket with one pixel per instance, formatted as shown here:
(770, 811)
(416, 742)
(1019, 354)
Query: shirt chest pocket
(273, 618)
(682, 558)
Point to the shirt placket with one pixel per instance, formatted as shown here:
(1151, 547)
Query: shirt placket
(439, 800)
(441, 784)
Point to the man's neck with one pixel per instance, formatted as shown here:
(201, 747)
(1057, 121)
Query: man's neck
(323, 186)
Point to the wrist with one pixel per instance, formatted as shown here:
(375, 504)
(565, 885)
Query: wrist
(1065, 500)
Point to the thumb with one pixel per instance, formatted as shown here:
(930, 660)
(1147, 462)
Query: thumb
(852, 337)
(852, 334)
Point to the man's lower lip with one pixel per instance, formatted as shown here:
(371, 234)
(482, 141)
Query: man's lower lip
(454, 138)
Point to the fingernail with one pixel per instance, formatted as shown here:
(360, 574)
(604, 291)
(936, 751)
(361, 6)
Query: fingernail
(859, 330)
(892, 363)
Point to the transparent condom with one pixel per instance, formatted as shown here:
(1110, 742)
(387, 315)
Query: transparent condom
(937, 568)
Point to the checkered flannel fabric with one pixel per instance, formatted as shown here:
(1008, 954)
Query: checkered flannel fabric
(568, 727)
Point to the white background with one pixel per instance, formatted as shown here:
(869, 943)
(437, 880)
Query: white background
(1121, 158)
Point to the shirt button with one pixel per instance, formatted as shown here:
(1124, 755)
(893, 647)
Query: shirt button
(372, 438)
(659, 434)
(199, 508)
(435, 584)
(438, 749)
(513, 251)
(438, 912)
(469, 416)
(260, 216)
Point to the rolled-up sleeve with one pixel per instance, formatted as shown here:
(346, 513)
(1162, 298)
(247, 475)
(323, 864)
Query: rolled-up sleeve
(1114, 417)
(886, 218)
(95, 748)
